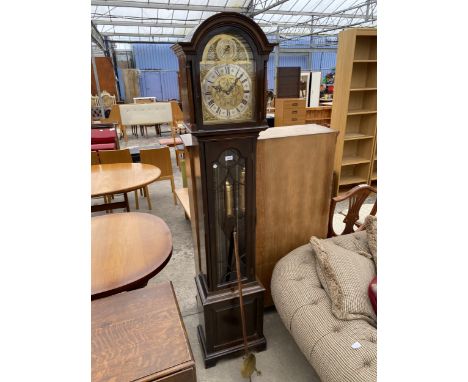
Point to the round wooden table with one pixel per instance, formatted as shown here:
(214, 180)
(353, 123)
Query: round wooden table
(127, 249)
(107, 179)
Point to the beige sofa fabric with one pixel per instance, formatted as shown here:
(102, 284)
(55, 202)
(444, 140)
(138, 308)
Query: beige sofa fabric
(371, 230)
(325, 341)
(345, 275)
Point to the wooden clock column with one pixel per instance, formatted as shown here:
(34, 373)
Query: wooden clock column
(222, 72)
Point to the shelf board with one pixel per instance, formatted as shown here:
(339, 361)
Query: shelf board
(361, 112)
(365, 61)
(362, 89)
(355, 136)
(347, 161)
(344, 180)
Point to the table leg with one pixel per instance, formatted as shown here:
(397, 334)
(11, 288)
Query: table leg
(126, 202)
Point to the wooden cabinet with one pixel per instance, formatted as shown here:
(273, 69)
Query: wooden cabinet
(290, 111)
(294, 185)
(354, 112)
(140, 336)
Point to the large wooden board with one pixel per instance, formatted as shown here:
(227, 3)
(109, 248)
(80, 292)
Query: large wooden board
(294, 184)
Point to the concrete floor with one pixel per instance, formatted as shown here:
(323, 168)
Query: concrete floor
(281, 361)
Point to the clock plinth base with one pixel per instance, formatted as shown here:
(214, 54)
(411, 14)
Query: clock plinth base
(210, 359)
(220, 329)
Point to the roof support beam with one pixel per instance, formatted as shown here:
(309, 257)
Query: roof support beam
(110, 34)
(211, 8)
(131, 23)
(97, 38)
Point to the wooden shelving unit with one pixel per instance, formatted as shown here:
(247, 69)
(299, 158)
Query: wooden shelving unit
(354, 112)
(320, 115)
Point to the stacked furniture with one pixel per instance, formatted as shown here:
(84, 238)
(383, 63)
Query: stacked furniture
(354, 112)
(292, 195)
(290, 111)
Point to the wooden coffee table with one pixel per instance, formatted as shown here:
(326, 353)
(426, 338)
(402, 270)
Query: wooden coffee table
(127, 249)
(140, 336)
(108, 179)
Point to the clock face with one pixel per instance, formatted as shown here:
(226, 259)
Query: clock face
(227, 75)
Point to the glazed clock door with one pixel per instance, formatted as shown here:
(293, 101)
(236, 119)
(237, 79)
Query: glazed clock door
(229, 182)
(227, 77)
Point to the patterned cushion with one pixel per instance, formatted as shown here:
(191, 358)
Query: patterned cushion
(370, 225)
(346, 275)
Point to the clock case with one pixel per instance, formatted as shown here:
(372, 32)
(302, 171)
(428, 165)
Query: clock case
(220, 330)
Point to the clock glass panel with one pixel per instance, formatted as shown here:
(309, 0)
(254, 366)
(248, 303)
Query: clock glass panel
(227, 75)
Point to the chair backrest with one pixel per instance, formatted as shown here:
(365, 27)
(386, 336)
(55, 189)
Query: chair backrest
(357, 195)
(95, 101)
(107, 99)
(177, 114)
(94, 157)
(115, 156)
(160, 158)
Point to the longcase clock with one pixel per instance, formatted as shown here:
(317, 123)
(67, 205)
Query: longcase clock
(223, 77)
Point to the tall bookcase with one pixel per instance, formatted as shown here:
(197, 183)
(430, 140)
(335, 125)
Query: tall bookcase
(354, 112)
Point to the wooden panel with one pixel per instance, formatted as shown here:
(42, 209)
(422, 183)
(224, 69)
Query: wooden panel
(183, 196)
(294, 184)
(106, 76)
(288, 82)
(139, 335)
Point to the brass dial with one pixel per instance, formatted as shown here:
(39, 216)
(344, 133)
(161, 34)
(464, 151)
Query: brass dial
(227, 75)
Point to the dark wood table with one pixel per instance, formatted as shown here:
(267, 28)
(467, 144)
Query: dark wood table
(140, 336)
(120, 178)
(126, 251)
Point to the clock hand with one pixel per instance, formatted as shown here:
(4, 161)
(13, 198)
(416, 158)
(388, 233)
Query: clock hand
(232, 86)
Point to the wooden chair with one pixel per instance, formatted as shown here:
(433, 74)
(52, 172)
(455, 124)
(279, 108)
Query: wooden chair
(356, 196)
(160, 158)
(122, 156)
(94, 158)
(107, 99)
(114, 117)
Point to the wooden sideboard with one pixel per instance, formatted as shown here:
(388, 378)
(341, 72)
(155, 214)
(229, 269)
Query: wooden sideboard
(140, 336)
(294, 186)
(290, 111)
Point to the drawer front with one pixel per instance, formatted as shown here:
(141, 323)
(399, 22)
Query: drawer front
(294, 104)
(294, 121)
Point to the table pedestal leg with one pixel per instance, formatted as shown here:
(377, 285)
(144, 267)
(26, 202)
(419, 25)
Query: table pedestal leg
(126, 202)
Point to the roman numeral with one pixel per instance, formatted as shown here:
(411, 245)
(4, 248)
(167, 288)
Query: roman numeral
(228, 113)
(243, 81)
(217, 73)
(208, 93)
(244, 102)
(218, 111)
(210, 103)
(238, 110)
(247, 91)
(227, 68)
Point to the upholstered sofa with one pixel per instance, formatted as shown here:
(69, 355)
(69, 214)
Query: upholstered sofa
(338, 350)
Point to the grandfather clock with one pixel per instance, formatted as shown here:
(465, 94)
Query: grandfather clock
(223, 76)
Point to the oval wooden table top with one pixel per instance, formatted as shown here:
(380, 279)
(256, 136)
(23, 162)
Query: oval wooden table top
(127, 249)
(121, 177)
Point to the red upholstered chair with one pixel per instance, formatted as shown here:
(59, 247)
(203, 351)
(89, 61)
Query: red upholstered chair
(103, 147)
(104, 135)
